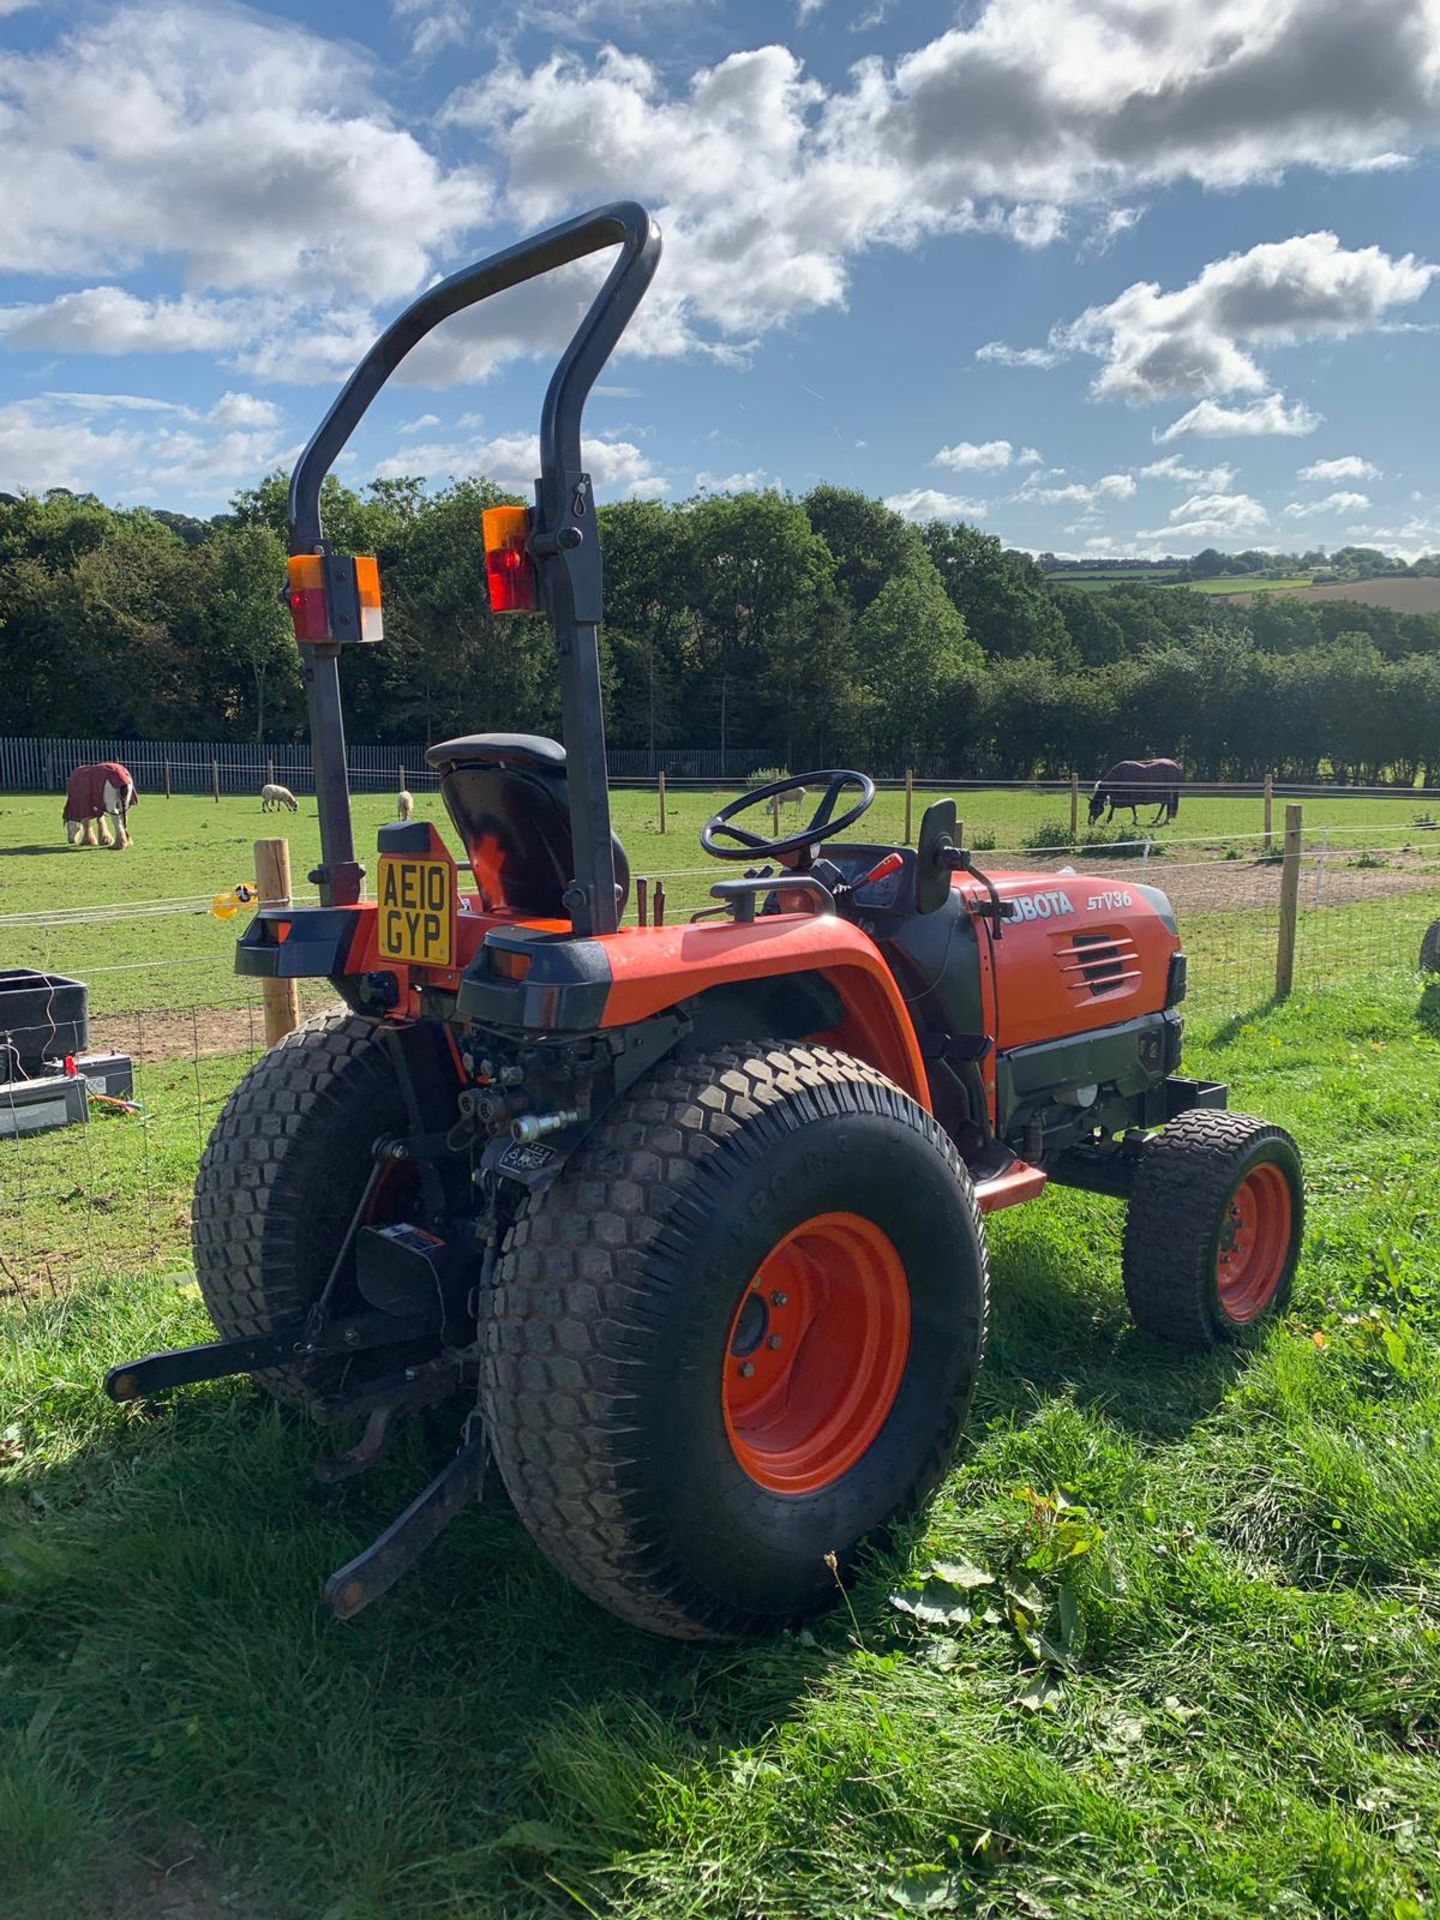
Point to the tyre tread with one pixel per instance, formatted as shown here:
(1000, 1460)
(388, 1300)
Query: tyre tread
(575, 1293)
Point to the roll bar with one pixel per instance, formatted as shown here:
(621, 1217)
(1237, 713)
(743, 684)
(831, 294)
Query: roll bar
(565, 541)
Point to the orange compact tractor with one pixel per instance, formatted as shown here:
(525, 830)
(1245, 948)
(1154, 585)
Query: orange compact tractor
(691, 1215)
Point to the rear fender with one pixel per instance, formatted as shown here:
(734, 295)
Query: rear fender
(776, 974)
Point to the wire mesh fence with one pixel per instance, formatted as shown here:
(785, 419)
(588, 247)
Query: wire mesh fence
(111, 1197)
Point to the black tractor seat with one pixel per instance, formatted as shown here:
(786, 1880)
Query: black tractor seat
(508, 797)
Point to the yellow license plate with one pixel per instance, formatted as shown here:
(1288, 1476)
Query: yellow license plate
(416, 910)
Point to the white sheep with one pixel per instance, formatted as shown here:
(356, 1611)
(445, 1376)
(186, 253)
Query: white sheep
(404, 804)
(273, 797)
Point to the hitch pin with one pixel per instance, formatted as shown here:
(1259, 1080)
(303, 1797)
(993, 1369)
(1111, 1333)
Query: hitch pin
(534, 1126)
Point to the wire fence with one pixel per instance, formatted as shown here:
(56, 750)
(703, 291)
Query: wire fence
(41, 764)
(109, 1199)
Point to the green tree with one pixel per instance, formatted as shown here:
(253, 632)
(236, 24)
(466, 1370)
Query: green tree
(1001, 594)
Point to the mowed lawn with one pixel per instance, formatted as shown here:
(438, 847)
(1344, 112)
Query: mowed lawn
(164, 949)
(1185, 1659)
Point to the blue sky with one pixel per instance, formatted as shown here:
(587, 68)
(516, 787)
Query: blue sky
(1102, 276)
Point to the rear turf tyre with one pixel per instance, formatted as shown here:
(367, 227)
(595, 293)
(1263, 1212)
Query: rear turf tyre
(1214, 1227)
(1430, 949)
(739, 1334)
(280, 1178)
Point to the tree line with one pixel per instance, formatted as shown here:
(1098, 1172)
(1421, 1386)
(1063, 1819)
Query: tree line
(804, 631)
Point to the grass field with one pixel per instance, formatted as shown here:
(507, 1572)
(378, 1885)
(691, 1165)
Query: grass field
(1244, 1719)
(1247, 583)
(188, 850)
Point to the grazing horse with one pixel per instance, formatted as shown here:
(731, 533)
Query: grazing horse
(92, 793)
(1138, 783)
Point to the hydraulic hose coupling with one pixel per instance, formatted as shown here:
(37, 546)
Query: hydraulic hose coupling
(530, 1127)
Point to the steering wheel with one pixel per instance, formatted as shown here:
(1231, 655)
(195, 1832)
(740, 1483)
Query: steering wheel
(834, 780)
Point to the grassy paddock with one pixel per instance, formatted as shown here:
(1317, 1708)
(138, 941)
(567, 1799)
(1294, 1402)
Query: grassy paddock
(1244, 1722)
(189, 849)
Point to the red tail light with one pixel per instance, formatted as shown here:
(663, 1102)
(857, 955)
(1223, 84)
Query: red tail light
(333, 598)
(509, 569)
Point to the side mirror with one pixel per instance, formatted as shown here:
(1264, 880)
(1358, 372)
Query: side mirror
(937, 857)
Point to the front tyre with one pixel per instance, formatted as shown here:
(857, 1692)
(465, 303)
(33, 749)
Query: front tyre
(739, 1334)
(1213, 1233)
(1430, 948)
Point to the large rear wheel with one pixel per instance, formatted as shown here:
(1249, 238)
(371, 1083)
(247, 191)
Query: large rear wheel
(1430, 948)
(738, 1335)
(279, 1182)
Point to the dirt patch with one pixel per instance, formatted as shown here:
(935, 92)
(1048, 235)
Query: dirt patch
(1237, 886)
(196, 1034)
(1404, 596)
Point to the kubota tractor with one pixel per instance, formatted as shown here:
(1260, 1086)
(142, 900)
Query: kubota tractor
(691, 1215)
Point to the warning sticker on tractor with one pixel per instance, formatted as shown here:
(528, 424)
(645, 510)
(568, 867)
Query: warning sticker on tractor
(416, 910)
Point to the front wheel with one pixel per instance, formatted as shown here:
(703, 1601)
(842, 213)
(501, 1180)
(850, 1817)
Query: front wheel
(737, 1336)
(1213, 1233)
(1430, 948)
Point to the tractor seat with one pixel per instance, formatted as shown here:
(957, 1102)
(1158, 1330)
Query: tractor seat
(510, 802)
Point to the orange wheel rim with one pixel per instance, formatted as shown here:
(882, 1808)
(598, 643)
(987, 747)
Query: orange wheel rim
(816, 1352)
(1254, 1243)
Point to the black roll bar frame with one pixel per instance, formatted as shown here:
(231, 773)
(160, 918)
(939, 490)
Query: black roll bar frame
(564, 543)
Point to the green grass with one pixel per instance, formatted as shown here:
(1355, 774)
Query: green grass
(1113, 576)
(1248, 583)
(188, 850)
(1248, 1723)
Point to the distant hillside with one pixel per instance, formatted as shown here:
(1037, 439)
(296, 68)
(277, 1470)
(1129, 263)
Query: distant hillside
(1401, 596)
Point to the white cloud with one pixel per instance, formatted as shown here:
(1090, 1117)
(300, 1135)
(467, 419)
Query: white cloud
(1112, 224)
(1410, 538)
(108, 320)
(755, 481)
(513, 459)
(986, 456)
(996, 353)
(770, 183)
(1274, 414)
(250, 149)
(420, 423)
(1349, 467)
(1029, 457)
(1110, 486)
(162, 451)
(1202, 338)
(1210, 516)
(432, 25)
(243, 410)
(1208, 479)
(1332, 504)
(38, 451)
(926, 503)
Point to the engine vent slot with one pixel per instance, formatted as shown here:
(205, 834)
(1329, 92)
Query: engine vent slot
(1099, 963)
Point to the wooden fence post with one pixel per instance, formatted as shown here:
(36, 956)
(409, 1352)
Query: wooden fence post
(660, 788)
(272, 884)
(1074, 808)
(1269, 843)
(642, 888)
(167, 779)
(1289, 905)
(401, 788)
(909, 803)
(270, 770)
(215, 779)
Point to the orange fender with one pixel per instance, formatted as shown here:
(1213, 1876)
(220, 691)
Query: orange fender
(652, 968)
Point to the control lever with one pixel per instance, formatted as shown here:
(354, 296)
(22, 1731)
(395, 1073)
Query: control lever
(882, 870)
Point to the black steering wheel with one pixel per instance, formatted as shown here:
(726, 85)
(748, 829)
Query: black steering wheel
(834, 780)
